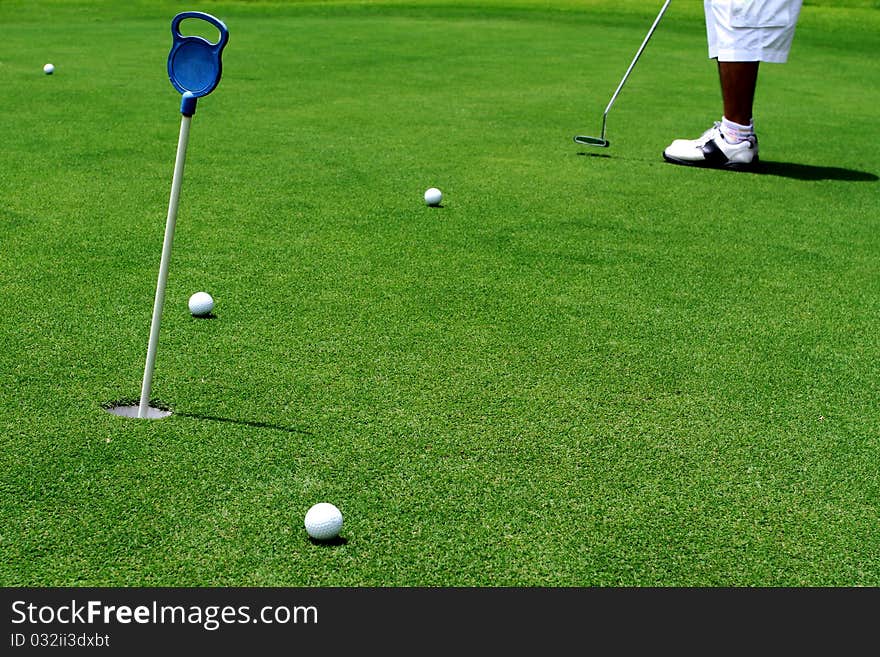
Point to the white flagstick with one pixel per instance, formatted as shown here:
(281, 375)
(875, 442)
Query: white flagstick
(163, 265)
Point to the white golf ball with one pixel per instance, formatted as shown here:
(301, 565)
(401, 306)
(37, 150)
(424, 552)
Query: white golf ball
(433, 196)
(49, 69)
(323, 521)
(201, 304)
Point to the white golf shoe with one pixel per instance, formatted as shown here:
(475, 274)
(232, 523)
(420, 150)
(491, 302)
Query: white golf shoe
(714, 151)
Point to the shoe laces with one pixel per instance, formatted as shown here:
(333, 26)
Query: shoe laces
(710, 134)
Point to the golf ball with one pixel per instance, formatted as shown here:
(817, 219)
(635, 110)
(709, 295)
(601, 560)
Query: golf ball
(433, 196)
(323, 521)
(49, 69)
(201, 304)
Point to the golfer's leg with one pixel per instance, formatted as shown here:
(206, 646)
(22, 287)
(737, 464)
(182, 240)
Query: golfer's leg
(738, 83)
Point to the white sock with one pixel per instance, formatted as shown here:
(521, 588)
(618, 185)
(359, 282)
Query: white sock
(736, 132)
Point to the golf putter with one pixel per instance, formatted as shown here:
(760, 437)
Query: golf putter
(194, 68)
(601, 141)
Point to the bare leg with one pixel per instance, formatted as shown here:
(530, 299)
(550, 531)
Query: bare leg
(738, 83)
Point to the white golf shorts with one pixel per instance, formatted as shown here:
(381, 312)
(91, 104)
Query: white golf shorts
(751, 30)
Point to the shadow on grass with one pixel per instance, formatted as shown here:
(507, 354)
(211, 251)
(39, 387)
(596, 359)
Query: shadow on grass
(339, 540)
(245, 423)
(810, 172)
(794, 170)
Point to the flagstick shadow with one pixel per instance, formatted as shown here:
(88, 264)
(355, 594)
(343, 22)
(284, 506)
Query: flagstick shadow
(245, 423)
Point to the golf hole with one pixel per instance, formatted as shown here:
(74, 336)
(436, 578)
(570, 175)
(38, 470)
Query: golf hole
(128, 409)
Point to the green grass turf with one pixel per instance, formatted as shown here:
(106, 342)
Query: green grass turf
(588, 368)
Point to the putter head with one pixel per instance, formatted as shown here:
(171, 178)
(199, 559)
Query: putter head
(592, 141)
